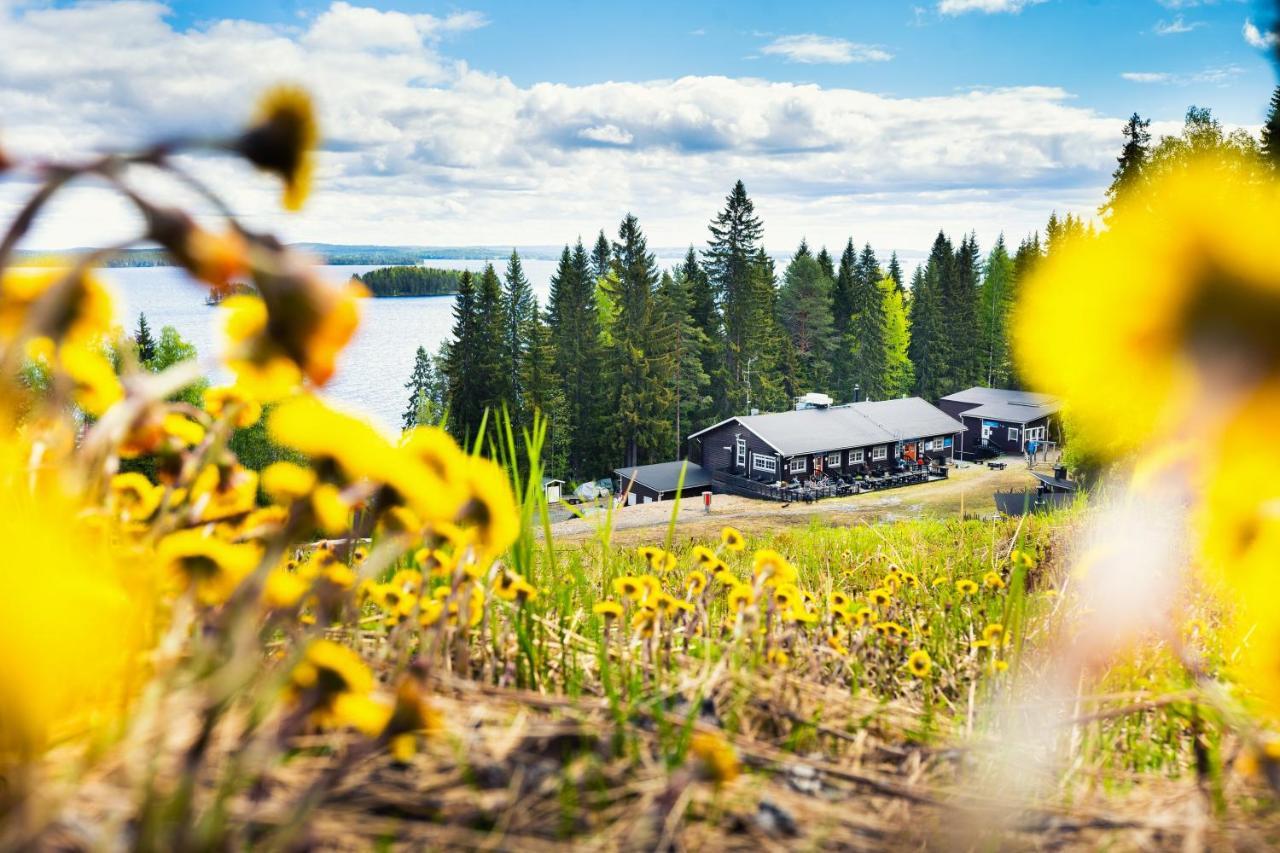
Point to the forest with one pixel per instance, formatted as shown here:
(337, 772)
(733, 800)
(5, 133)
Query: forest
(410, 281)
(626, 359)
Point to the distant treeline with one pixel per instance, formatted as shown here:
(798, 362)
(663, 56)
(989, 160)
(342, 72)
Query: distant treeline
(411, 281)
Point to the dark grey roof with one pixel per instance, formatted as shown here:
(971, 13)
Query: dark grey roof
(664, 476)
(1013, 412)
(980, 396)
(852, 425)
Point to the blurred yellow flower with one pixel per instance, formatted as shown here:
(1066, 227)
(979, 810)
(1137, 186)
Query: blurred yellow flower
(228, 399)
(732, 539)
(282, 139)
(206, 564)
(919, 663)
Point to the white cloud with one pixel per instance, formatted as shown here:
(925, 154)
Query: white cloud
(1211, 74)
(1256, 37)
(813, 49)
(959, 7)
(420, 148)
(1176, 26)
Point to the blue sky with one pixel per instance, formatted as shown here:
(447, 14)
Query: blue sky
(501, 122)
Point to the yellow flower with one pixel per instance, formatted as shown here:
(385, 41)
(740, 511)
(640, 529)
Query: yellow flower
(333, 514)
(864, 616)
(838, 641)
(287, 481)
(980, 645)
(328, 670)
(879, 597)
(727, 578)
(778, 657)
(281, 140)
(184, 429)
(741, 596)
(134, 497)
(208, 565)
(919, 663)
(283, 589)
(232, 400)
(608, 609)
(839, 601)
(717, 756)
(491, 507)
(629, 587)
(217, 259)
(97, 388)
(223, 491)
(732, 539)
(695, 583)
(1184, 278)
(704, 556)
(78, 311)
(773, 567)
(991, 580)
(993, 633)
(964, 586)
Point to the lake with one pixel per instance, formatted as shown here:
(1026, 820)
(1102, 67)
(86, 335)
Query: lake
(376, 365)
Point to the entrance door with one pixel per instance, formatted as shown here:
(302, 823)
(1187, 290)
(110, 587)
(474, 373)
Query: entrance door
(986, 433)
(553, 492)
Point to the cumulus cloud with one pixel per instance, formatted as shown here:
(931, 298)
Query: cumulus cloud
(1255, 37)
(812, 49)
(959, 7)
(421, 148)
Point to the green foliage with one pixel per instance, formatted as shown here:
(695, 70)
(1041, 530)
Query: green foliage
(254, 448)
(478, 379)
(899, 374)
(411, 281)
(930, 344)
(686, 347)
(995, 304)
(1130, 163)
(143, 342)
(1271, 130)
(804, 311)
(425, 406)
(732, 266)
(866, 339)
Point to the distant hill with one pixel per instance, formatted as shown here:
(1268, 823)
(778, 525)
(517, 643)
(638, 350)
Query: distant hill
(410, 281)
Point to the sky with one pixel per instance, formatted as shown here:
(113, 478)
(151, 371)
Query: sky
(523, 123)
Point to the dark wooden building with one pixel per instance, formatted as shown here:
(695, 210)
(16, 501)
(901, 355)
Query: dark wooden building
(853, 438)
(1002, 421)
(649, 483)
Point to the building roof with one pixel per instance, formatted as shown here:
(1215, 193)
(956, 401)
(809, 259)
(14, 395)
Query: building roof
(665, 476)
(978, 396)
(1010, 412)
(851, 425)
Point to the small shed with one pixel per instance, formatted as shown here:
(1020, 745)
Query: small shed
(661, 482)
(552, 488)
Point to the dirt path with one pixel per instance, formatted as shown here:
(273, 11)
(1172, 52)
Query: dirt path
(969, 488)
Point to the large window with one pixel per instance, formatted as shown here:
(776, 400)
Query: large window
(1033, 433)
(1013, 433)
(856, 457)
(760, 462)
(879, 453)
(935, 444)
(799, 465)
(741, 456)
(833, 460)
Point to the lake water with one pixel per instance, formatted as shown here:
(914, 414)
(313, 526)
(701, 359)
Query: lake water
(376, 365)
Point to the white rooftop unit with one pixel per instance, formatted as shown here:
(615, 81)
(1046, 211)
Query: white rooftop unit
(813, 400)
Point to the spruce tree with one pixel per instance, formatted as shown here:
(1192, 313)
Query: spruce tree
(899, 375)
(866, 338)
(545, 395)
(930, 345)
(895, 272)
(459, 354)
(1133, 157)
(995, 303)
(824, 261)
(478, 378)
(600, 255)
(574, 325)
(804, 310)
(519, 310)
(960, 309)
(419, 386)
(730, 262)
(143, 342)
(768, 341)
(802, 251)
(706, 317)
(686, 344)
(1271, 130)
(842, 316)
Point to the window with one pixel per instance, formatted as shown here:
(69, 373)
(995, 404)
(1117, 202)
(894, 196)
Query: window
(879, 453)
(798, 465)
(935, 444)
(1013, 433)
(1033, 433)
(741, 456)
(856, 457)
(833, 460)
(760, 462)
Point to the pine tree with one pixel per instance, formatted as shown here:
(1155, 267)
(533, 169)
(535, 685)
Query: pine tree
(730, 262)
(459, 354)
(930, 345)
(420, 387)
(706, 317)
(895, 272)
(519, 310)
(842, 315)
(1271, 130)
(995, 303)
(1131, 161)
(767, 341)
(143, 342)
(960, 309)
(866, 338)
(824, 261)
(600, 255)
(802, 251)
(805, 312)
(899, 375)
(478, 379)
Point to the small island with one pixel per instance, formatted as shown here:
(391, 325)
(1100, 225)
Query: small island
(410, 281)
